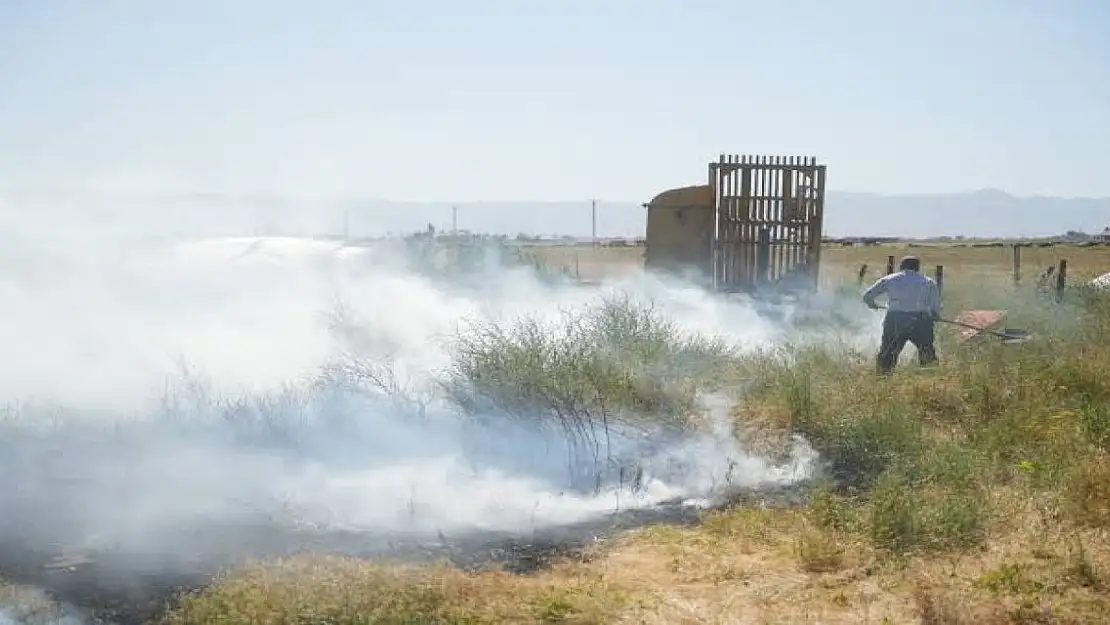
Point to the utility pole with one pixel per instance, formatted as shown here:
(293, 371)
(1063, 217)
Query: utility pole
(455, 220)
(593, 217)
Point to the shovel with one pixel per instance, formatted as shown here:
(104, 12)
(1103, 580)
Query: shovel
(1008, 335)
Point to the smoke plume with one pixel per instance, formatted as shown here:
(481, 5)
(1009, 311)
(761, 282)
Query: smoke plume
(163, 395)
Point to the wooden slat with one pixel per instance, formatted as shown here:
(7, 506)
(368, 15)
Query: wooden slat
(719, 237)
(817, 219)
(798, 212)
(723, 210)
(778, 229)
(729, 209)
(803, 212)
(769, 216)
(763, 205)
(755, 174)
(739, 262)
(782, 194)
(775, 195)
(714, 237)
(788, 214)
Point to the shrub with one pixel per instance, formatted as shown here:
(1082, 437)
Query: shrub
(617, 363)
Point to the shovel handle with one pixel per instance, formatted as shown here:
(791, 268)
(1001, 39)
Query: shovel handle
(966, 325)
(969, 326)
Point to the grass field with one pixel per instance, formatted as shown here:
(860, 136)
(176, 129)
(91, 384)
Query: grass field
(962, 264)
(969, 265)
(978, 492)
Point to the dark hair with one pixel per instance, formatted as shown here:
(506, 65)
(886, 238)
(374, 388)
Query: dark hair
(910, 263)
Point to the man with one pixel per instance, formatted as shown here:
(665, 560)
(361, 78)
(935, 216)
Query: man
(913, 306)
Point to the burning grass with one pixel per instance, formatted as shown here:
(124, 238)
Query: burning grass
(977, 492)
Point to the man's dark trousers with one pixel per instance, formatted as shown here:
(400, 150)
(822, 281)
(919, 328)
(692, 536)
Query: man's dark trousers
(899, 327)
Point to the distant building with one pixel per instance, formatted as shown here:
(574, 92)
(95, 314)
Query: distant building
(1104, 236)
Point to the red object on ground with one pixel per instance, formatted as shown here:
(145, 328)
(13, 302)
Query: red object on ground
(980, 318)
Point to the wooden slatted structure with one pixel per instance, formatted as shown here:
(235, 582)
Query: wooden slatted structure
(768, 221)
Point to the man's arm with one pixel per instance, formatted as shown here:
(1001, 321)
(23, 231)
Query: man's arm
(874, 291)
(933, 294)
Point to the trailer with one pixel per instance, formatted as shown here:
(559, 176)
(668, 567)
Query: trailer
(756, 226)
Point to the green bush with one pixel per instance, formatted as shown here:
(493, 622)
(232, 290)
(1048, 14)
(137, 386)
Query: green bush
(617, 362)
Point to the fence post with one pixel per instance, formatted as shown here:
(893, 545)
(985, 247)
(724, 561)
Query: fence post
(1061, 279)
(1017, 264)
(940, 278)
(889, 265)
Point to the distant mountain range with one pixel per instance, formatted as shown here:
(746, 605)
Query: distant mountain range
(987, 213)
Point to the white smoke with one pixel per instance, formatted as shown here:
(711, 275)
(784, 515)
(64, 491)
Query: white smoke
(156, 388)
(22, 605)
(7, 618)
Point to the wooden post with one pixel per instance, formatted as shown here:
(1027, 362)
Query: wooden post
(940, 278)
(1017, 264)
(862, 274)
(1061, 279)
(763, 257)
(889, 265)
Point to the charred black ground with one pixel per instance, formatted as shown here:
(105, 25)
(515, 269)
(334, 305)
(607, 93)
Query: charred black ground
(128, 588)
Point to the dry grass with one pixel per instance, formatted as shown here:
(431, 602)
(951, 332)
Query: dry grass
(743, 566)
(980, 493)
(339, 590)
(967, 265)
(962, 264)
(590, 263)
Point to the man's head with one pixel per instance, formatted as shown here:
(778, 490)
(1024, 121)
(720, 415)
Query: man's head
(910, 263)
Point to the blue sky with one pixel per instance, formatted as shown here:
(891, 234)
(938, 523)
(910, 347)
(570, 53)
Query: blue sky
(499, 100)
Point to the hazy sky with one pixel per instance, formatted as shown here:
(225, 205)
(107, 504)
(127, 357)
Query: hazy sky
(493, 100)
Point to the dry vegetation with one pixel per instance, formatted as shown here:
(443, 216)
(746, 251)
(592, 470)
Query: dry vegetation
(591, 263)
(839, 263)
(978, 492)
(969, 265)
